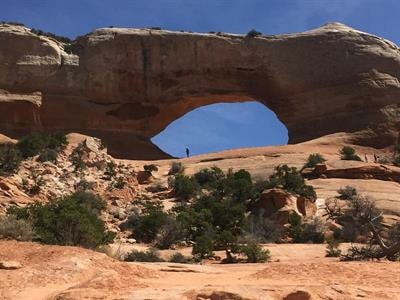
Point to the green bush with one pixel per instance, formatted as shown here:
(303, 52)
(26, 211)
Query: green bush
(203, 247)
(59, 38)
(48, 155)
(150, 168)
(349, 153)
(332, 249)
(150, 255)
(210, 177)
(38, 183)
(254, 252)
(179, 258)
(34, 143)
(347, 193)
(111, 170)
(146, 225)
(76, 158)
(10, 159)
(184, 187)
(71, 220)
(176, 168)
(253, 33)
(313, 160)
(12, 228)
(292, 181)
(238, 185)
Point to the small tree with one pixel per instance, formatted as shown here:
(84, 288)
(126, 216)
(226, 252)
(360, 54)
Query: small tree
(146, 225)
(203, 247)
(313, 160)
(364, 214)
(347, 193)
(10, 159)
(184, 187)
(332, 249)
(150, 168)
(349, 153)
(253, 33)
(254, 252)
(291, 180)
(71, 220)
(150, 255)
(111, 170)
(176, 168)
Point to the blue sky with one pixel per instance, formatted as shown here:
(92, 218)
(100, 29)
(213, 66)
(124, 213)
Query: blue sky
(222, 126)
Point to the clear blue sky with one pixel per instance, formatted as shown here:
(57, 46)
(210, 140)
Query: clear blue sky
(220, 126)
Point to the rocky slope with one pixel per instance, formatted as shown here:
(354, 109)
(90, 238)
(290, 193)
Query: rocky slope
(126, 85)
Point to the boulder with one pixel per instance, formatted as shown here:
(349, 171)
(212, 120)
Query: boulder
(279, 205)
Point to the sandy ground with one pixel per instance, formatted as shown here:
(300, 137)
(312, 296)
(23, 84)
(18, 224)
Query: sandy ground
(297, 271)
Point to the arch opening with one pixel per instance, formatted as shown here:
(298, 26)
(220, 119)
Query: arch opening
(222, 126)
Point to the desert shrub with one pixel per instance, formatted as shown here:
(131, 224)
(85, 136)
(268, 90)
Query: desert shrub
(82, 185)
(76, 158)
(291, 180)
(347, 193)
(111, 170)
(150, 255)
(38, 183)
(253, 33)
(176, 168)
(12, 228)
(210, 177)
(10, 159)
(356, 253)
(169, 233)
(150, 168)
(119, 182)
(349, 153)
(305, 232)
(184, 187)
(34, 143)
(179, 258)
(263, 229)
(332, 248)
(146, 225)
(203, 247)
(396, 160)
(254, 252)
(71, 220)
(48, 155)
(59, 38)
(238, 185)
(313, 160)
(12, 23)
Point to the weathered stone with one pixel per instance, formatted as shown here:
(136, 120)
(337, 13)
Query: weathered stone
(10, 265)
(127, 85)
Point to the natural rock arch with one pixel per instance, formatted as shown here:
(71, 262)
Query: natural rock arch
(126, 85)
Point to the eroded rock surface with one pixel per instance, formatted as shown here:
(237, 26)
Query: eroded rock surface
(127, 85)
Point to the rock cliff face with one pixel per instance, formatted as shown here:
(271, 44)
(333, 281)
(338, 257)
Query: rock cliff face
(127, 85)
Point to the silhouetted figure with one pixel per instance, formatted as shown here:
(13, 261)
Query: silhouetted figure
(375, 158)
(366, 158)
(187, 152)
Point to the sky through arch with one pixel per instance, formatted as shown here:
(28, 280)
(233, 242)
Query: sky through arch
(222, 126)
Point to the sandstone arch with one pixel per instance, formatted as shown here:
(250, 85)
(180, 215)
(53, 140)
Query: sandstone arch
(126, 85)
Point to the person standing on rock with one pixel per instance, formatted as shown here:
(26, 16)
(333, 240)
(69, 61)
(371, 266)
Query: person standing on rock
(187, 152)
(365, 156)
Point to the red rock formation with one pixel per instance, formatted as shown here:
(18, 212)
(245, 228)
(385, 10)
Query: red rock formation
(127, 85)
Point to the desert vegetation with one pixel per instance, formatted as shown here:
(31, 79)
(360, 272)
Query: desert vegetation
(71, 220)
(349, 153)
